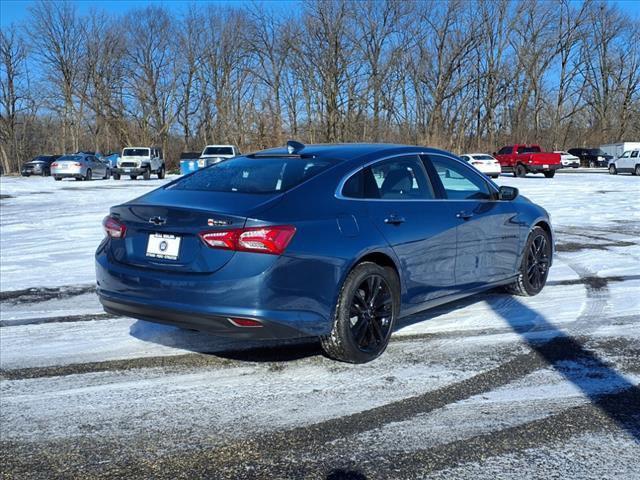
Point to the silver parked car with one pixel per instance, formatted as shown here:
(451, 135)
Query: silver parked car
(81, 166)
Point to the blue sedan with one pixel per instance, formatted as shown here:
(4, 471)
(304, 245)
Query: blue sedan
(329, 241)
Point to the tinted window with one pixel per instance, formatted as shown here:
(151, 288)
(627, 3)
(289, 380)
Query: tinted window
(458, 181)
(596, 151)
(505, 150)
(634, 154)
(74, 158)
(398, 179)
(135, 152)
(354, 187)
(253, 175)
(218, 151)
(529, 149)
(482, 157)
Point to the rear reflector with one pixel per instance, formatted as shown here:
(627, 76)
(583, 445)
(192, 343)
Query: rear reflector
(244, 322)
(113, 227)
(272, 239)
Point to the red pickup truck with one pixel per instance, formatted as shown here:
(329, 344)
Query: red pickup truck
(523, 159)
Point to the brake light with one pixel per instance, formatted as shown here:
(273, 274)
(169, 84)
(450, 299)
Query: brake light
(54, 164)
(272, 239)
(113, 227)
(244, 322)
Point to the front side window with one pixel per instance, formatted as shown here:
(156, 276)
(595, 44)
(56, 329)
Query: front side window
(459, 182)
(625, 155)
(397, 179)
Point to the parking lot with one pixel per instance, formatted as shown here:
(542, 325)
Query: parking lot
(493, 386)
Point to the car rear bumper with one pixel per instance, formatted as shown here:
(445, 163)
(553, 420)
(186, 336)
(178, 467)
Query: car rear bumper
(543, 168)
(279, 293)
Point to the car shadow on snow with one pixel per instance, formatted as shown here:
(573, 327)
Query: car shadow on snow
(224, 347)
(595, 378)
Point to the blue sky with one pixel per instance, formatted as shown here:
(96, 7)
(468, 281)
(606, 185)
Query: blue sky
(16, 11)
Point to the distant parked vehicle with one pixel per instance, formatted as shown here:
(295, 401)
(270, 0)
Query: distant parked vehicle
(213, 154)
(40, 165)
(112, 159)
(615, 150)
(483, 162)
(80, 166)
(591, 157)
(523, 159)
(568, 160)
(628, 162)
(136, 161)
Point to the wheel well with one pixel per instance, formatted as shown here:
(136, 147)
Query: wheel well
(380, 259)
(546, 227)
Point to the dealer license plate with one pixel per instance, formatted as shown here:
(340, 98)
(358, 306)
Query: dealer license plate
(163, 245)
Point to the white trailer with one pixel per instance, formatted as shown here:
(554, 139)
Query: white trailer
(617, 149)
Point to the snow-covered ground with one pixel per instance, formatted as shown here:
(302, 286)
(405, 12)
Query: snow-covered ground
(492, 386)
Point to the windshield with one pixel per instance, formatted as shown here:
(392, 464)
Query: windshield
(218, 151)
(135, 152)
(75, 158)
(596, 151)
(253, 175)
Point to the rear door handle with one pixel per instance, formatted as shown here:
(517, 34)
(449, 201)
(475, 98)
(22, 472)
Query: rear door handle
(464, 215)
(394, 220)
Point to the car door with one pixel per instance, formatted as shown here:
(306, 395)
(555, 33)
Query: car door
(624, 162)
(634, 160)
(487, 234)
(422, 233)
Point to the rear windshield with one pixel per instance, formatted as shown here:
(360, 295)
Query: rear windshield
(528, 149)
(253, 175)
(135, 152)
(218, 151)
(74, 158)
(595, 151)
(482, 157)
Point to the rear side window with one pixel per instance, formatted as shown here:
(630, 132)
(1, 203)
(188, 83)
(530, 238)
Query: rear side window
(253, 175)
(528, 149)
(634, 154)
(397, 179)
(505, 151)
(459, 182)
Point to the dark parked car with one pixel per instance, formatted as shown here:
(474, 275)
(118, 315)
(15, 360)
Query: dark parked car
(331, 241)
(591, 157)
(40, 165)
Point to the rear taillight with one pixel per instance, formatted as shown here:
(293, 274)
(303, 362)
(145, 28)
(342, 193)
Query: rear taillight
(113, 227)
(78, 164)
(245, 322)
(272, 239)
(54, 164)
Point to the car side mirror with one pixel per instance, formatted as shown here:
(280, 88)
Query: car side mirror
(507, 193)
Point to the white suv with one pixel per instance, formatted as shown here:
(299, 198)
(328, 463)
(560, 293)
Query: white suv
(628, 162)
(136, 161)
(216, 154)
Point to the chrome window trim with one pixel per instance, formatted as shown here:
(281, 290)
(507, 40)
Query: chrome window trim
(339, 196)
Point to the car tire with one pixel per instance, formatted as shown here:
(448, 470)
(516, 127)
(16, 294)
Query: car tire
(133, 177)
(116, 176)
(89, 175)
(57, 179)
(613, 170)
(107, 174)
(636, 171)
(45, 173)
(161, 173)
(495, 176)
(520, 171)
(362, 337)
(592, 164)
(147, 174)
(550, 174)
(534, 266)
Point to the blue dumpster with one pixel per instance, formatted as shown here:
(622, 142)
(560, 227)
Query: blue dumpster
(188, 166)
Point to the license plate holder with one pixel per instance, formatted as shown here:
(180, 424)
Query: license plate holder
(163, 245)
(545, 166)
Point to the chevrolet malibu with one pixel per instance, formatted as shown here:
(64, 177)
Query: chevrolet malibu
(331, 241)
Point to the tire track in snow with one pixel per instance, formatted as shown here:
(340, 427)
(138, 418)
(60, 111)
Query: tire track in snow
(42, 294)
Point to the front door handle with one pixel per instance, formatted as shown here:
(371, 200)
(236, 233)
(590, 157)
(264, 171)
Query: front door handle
(464, 215)
(394, 220)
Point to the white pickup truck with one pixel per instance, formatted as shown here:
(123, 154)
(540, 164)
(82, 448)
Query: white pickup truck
(216, 154)
(136, 161)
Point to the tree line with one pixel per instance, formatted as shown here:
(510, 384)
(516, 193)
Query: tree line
(454, 74)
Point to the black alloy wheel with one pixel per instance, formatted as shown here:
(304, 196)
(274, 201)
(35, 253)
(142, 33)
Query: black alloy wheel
(637, 170)
(534, 266)
(370, 313)
(520, 171)
(367, 308)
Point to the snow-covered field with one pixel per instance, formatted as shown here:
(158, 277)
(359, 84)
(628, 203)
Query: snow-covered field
(490, 387)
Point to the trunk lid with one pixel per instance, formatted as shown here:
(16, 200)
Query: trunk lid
(177, 217)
